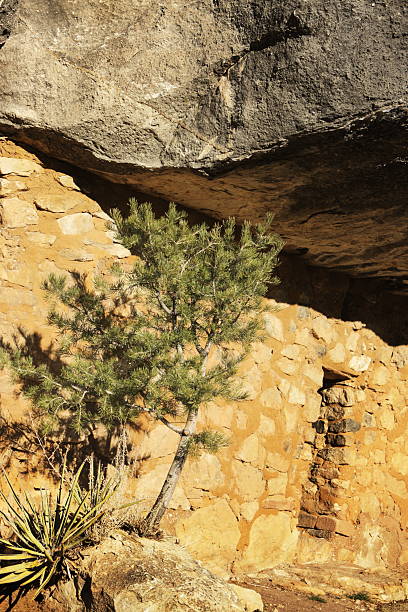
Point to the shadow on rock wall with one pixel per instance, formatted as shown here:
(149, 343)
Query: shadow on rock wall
(375, 302)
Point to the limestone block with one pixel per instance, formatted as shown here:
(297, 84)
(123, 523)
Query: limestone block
(371, 504)
(248, 451)
(76, 255)
(337, 354)
(291, 415)
(271, 398)
(218, 414)
(304, 338)
(399, 463)
(67, 181)
(211, 534)
(272, 541)
(101, 214)
(403, 558)
(41, 239)
(400, 356)
(278, 484)
(344, 528)
(368, 420)
(384, 354)
(114, 250)
(352, 341)
(159, 442)
(378, 456)
(360, 363)
(20, 167)
(315, 373)
(78, 223)
(249, 481)
(282, 503)
(58, 203)
(266, 427)
(48, 267)
(326, 522)
(9, 187)
(386, 417)
(396, 487)
(287, 366)
(306, 520)
(250, 382)
(291, 351)
(273, 326)
(277, 461)
(296, 395)
(261, 353)
(303, 312)
(338, 394)
(241, 419)
(305, 453)
(284, 386)
(12, 296)
(322, 329)
(343, 426)
(18, 274)
(204, 472)
(380, 376)
(17, 213)
(249, 509)
(311, 549)
(313, 408)
(250, 600)
(335, 455)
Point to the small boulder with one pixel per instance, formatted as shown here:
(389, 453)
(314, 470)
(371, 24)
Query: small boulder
(130, 574)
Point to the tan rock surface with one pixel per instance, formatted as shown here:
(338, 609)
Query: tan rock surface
(329, 439)
(212, 535)
(127, 574)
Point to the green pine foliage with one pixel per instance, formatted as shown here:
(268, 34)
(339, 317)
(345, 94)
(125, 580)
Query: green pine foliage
(162, 338)
(191, 289)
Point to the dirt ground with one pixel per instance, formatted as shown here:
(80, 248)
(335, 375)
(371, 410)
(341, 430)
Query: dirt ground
(278, 599)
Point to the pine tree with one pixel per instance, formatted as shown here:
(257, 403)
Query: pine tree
(162, 339)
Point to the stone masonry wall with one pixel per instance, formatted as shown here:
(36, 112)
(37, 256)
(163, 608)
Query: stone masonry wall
(317, 467)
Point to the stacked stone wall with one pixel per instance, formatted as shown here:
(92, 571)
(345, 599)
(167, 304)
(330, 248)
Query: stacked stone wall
(317, 466)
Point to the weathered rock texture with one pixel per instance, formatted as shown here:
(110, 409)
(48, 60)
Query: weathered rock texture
(230, 107)
(125, 574)
(317, 469)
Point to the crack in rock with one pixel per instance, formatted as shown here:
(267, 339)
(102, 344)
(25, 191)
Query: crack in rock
(295, 28)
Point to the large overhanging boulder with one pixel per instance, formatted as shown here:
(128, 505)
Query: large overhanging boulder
(228, 106)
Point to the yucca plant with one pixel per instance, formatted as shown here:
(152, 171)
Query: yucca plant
(46, 533)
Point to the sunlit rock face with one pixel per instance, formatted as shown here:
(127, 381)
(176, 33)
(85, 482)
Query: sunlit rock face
(229, 107)
(317, 466)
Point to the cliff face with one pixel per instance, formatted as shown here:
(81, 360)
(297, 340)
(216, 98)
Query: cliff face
(228, 107)
(317, 466)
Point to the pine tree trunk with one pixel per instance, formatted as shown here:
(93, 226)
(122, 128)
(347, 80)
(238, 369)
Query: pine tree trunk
(152, 521)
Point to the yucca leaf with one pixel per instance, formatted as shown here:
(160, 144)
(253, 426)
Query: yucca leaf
(47, 578)
(35, 576)
(19, 548)
(17, 577)
(19, 567)
(15, 557)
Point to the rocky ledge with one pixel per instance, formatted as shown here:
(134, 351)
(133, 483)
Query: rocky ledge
(295, 106)
(129, 574)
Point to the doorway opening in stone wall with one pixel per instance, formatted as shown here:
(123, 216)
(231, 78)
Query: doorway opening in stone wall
(321, 512)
